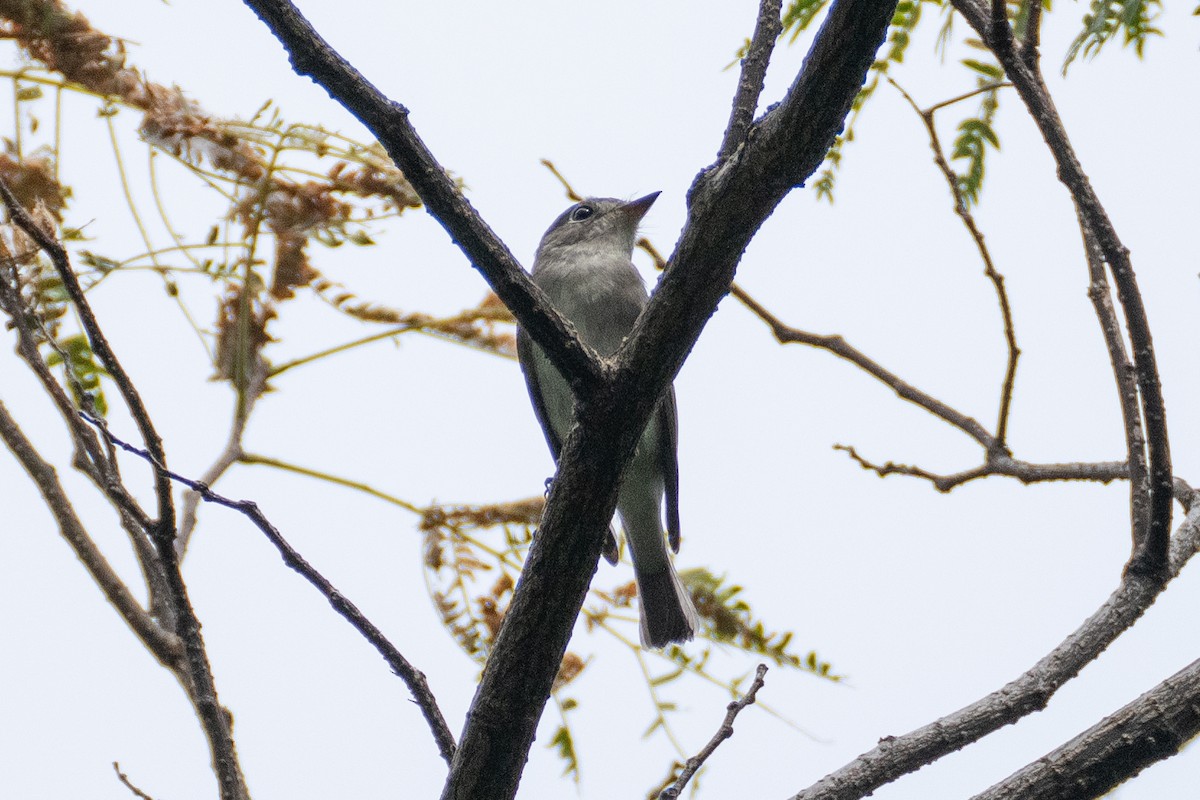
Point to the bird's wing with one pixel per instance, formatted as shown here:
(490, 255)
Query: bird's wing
(668, 448)
(529, 368)
(525, 355)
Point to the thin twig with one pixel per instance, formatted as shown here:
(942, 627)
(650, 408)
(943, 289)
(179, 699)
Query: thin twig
(840, 347)
(253, 458)
(1033, 33)
(724, 732)
(98, 463)
(754, 71)
(1024, 471)
(228, 456)
(165, 526)
(163, 645)
(572, 195)
(129, 784)
(989, 87)
(197, 679)
(413, 678)
(1000, 443)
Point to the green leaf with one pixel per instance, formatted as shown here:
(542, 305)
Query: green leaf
(993, 71)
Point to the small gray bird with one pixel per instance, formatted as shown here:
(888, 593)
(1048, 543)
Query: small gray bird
(583, 265)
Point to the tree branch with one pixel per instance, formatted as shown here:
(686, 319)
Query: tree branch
(1126, 379)
(834, 343)
(312, 56)
(1155, 726)
(1000, 443)
(197, 678)
(412, 677)
(900, 755)
(753, 73)
(1150, 544)
(163, 645)
(1024, 471)
(724, 732)
(727, 204)
(165, 525)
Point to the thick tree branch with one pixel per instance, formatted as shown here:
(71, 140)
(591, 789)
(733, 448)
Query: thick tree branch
(312, 56)
(1155, 726)
(898, 755)
(727, 205)
(1151, 543)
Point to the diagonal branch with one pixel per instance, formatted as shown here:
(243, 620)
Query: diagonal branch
(724, 732)
(834, 343)
(165, 525)
(312, 56)
(413, 677)
(165, 646)
(1153, 727)
(899, 755)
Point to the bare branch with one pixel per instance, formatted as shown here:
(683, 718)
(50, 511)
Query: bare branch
(129, 784)
(1150, 545)
(197, 678)
(724, 732)
(1033, 33)
(753, 73)
(837, 345)
(97, 463)
(163, 645)
(1024, 471)
(900, 755)
(1126, 379)
(1000, 443)
(164, 528)
(412, 677)
(1155, 726)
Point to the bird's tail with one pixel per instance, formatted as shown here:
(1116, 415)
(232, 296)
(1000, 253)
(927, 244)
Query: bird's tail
(668, 614)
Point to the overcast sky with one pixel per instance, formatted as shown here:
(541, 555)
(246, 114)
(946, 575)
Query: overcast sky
(924, 601)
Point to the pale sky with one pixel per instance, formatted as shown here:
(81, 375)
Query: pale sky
(925, 602)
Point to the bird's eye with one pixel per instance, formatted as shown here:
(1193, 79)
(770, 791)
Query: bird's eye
(581, 213)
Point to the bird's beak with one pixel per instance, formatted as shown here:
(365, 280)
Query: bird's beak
(636, 209)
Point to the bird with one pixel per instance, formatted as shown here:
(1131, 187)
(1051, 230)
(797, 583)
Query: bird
(584, 265)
